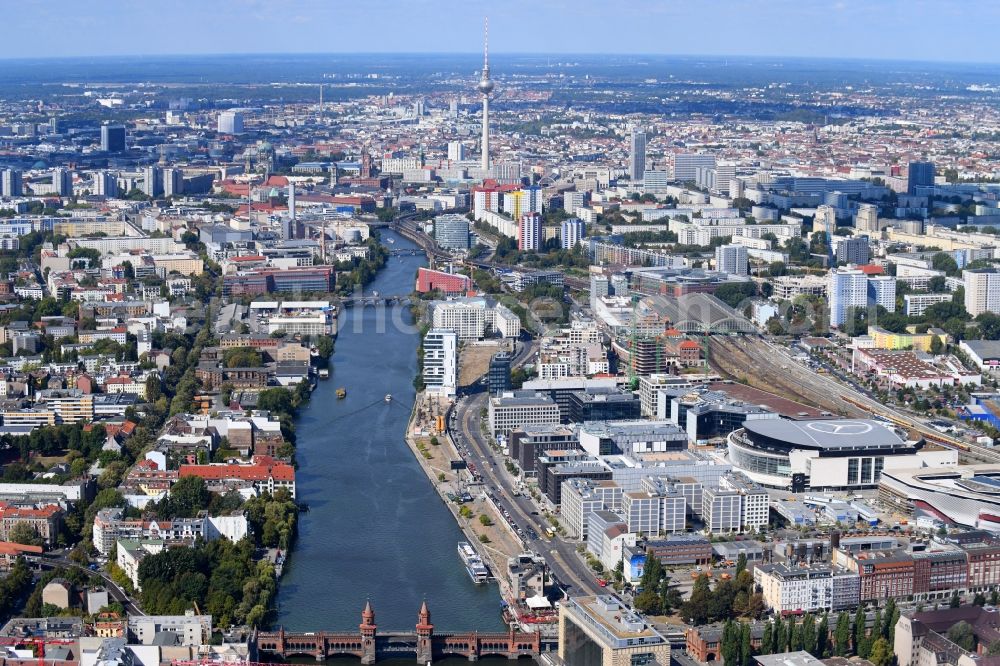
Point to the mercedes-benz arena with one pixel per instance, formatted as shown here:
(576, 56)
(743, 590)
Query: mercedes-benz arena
(830, 454)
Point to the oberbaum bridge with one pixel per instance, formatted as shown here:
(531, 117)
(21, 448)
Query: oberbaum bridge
(369, 645)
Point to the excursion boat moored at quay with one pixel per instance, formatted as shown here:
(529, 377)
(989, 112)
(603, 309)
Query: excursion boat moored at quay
(473, 563)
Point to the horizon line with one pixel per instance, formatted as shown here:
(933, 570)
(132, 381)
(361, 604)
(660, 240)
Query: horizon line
(549, 54)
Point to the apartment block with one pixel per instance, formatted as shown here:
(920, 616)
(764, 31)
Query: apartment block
(807, 589)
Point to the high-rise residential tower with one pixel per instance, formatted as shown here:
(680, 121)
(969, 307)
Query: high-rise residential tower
(686, 165)
(637, 155)
(571, 232)
(152, 181)
(10, 183)
(982, 291)
(529, 232)
(456, 151)
(230, 122)
(919, 174)
(440, 371)
(732, 259)
(112, 138)
(866, 221)
(62, 182)
(173, 182)
(846, 289)
(105, 184)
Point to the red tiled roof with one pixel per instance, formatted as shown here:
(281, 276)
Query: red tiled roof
(263, 467)
(11, 548)
(6, 510)
(232, 187)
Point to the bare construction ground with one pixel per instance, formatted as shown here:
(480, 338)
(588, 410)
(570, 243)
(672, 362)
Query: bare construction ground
(474, 359)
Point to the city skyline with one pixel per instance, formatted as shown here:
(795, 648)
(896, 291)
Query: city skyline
(602, 357)
(884, 30)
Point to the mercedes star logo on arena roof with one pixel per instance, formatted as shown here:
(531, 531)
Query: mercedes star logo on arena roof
(840, 427)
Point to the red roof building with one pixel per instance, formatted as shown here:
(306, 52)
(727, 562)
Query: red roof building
(449, 284)
(10, 551)
(45, 520)
(264, 473)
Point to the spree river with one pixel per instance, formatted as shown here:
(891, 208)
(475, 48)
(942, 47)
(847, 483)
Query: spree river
(376, 529)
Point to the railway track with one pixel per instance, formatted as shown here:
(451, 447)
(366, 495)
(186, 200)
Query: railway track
(868, 407)
(751, 360)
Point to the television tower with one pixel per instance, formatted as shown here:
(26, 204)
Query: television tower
(485, 88)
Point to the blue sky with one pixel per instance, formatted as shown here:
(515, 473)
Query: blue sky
(950, 30)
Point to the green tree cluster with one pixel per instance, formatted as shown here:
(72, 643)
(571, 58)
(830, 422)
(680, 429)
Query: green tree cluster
(88, 253)
(324, 346)
(25, 534)
(273, 519)
(848, 637)
(658, 595)
(736, 648)
(734, 293)
(222, 577)
(945, 262)
(187, 497)
(962, 635)
(13, 587)
(358, 271)
(242, 357)
(284, 405)
(728, 598)
(55, 440)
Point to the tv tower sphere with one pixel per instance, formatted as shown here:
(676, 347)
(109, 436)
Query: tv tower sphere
(485, 85)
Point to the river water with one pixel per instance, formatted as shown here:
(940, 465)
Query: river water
(375, 529)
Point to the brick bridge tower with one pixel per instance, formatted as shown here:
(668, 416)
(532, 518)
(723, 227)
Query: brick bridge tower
(425, 632)
(367, 628)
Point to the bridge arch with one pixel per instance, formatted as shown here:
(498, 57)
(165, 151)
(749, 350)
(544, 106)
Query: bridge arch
(455, 650)
(292, 653)
(334, 654)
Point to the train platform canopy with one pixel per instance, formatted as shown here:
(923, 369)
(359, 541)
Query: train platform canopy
(699, 313)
